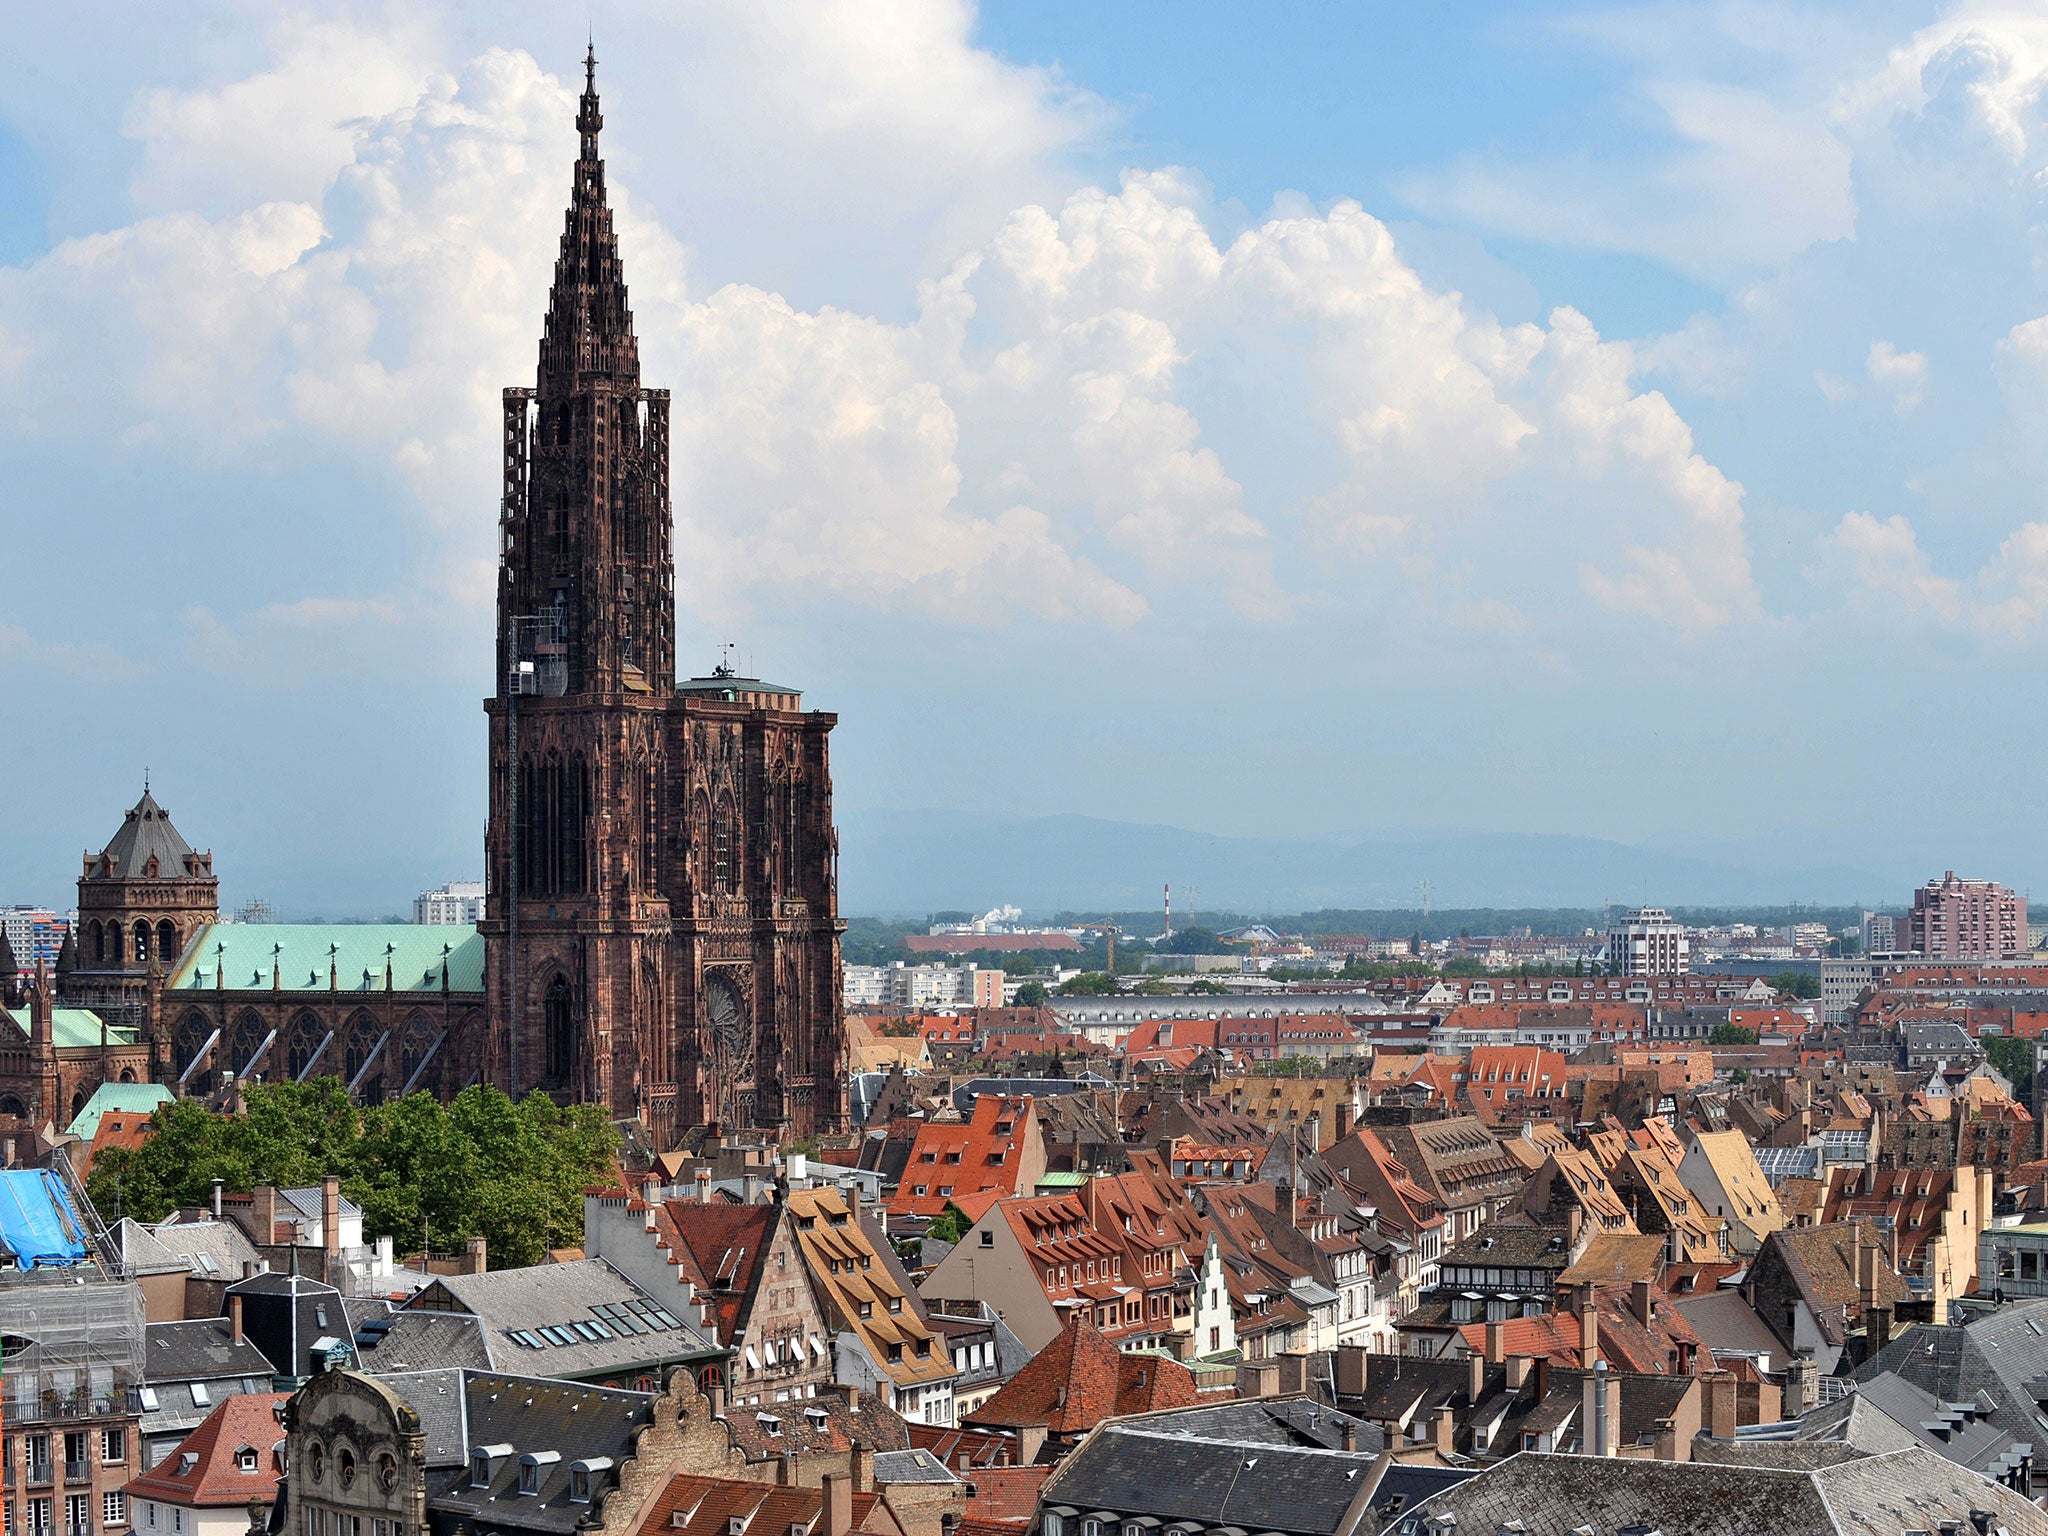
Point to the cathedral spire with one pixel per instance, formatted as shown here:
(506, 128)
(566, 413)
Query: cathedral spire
(589, 326)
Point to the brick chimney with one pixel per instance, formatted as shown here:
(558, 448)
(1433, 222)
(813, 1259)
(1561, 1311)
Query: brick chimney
(1496, 1343)
(330, 1224)
(1589, 1338)
(1444, 1431)
(1640, 1302)
(1475, 1377)
(838, 1504)
(235, 1318)
(862, 1461)
(475, 1259)
(1721, 1405)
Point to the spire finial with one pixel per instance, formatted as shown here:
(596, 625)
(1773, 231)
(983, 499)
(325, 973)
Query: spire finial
(590, 65)
(588, 119)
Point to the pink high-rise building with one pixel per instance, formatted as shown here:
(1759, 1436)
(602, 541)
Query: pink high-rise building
(1966, 920)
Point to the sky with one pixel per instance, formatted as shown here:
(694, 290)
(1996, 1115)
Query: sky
(1621, 421)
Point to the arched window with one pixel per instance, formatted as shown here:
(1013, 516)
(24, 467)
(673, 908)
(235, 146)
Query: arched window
(141, 943)
(301, 1041)
(191, 1035)
(417, 1041)
(244, 1041)
(561, 1030)
(96, 936)
(363, 1035)
(650, 830)
(167, 946)
(575, 799)
(724, 845)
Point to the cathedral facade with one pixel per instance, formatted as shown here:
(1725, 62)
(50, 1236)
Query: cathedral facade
(661, 932)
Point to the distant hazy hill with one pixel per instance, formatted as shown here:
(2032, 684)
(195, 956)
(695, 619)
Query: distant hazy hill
(913, 862)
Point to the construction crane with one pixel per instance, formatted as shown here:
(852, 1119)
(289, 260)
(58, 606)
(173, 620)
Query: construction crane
(1109, 931)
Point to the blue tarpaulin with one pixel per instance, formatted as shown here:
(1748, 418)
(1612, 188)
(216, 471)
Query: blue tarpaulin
(37, 1221)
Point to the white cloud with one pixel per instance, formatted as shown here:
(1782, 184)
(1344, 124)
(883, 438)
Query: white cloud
(1880, 564)
(1029, 442)
(1902, 375)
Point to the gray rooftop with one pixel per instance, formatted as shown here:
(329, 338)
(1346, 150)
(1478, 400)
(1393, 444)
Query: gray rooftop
(1553, 1495)
(145, 833)
(912, 1466)
(582, 1318)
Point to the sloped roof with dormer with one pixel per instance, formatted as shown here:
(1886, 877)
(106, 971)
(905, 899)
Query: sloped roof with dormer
(145, 833)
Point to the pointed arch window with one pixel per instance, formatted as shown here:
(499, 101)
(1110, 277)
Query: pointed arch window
(724, 841)
(559, 1024)
(142, 935)
(167, 946)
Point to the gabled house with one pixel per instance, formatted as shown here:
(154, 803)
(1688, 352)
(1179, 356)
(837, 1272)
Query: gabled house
(1077, 1381)
(1722, 1173)
(208, 1482)
(998, 1150)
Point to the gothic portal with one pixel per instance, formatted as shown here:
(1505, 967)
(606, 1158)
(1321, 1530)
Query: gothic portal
(662, 931)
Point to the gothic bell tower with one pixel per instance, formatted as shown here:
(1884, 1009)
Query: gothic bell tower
(576, 927)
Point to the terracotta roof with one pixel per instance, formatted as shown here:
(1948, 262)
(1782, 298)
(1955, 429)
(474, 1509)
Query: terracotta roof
(1616, 1258)
(233, 1458)
(1004, 1495)
(1080, 1379)
(703, 1506)
(953, 1158)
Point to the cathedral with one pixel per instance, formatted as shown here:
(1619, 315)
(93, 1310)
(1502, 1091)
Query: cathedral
(661, 932)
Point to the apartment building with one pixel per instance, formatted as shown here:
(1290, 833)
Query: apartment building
(1954, 919)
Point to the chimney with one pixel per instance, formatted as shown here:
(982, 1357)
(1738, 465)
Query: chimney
(1475, 1377)
(1599, 1422)
(330, 1222)
(235, 1318)
(1639, 1300)
(785, 1469)
(1589, 1338)
(650, 1187)
(703, 1186)
(1800, 1385)
(475, 1259)
(1030, 1441)
(1877, 1327)
(1574, 1222)
(1444, 1431)
(862, 1461)
(1518, 1371)
(1352, 1370)
(1496, 1343)
(1347, 1437)
(216, 1199)
(718, 1400)
(1344, 1121)
(1542, 1377)
(1721, 1405)
(838, 1504)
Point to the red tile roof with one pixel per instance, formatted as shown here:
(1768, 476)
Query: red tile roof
(1006, 1496)
(216, 1479)
(1080, 1379)
(951, 1157)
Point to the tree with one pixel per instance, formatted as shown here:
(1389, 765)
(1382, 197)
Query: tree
(949, 1226)
(1732, 1034)
(1089, 984)
(1031, 995)
(1796, 984)
(482, 1166)
(2013, 1056)
(1207, 989)
(1152, 986)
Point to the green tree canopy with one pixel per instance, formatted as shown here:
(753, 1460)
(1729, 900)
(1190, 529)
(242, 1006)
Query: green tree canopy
(1732, 1034)
(513, 1174)
(1031, 995)
(1797, 983)
(1089, 984)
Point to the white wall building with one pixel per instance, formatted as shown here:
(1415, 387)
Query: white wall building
(1648, 942)
(457, 902)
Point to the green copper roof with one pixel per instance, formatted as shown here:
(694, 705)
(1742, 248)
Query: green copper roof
(245, 954)
(74, 1028)
(1051, 1181)
(129, 1098)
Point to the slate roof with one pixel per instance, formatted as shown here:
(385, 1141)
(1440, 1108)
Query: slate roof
(1080, 1379)
(141, 1254)
(911, 1466)
(532, 1415)
(597, 1321)
(1134, 1470)
(145, 833)
(194, 1243)
(1727, 1323)
(199, 1349)
(215, 1477)
(1269, 1421)
(1888, 1412)
(1553, 1495)
(422, 1341)
(244, 954)
(2002, 1355)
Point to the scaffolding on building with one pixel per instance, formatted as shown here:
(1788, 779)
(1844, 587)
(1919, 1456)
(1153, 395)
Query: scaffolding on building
(71, 1326)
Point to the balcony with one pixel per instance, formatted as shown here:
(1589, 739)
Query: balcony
(77, 1471)
(37, 1473)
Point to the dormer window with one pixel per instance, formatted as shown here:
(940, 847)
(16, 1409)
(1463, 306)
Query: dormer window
(245, 1459)
(533, 1467)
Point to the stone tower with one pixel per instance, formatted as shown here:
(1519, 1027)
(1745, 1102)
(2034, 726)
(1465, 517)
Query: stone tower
(661, 931)
(140, 900)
